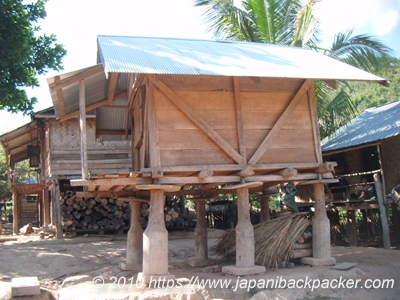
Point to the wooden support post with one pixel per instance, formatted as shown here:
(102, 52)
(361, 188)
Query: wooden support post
(381, 196)
(352, 228)
(134, 249)
(244, 231)
(244, 236)
(182, 201)
(46, 207)
(321, 232)
(82, 127)
(239, 118)
(155, 237)
(16, 212)
(56, 203)
(52, 209)
(200, 237)
(265, 216)
(200, 233)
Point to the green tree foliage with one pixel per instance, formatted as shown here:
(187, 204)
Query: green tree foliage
(24, 53)
(290, 23)
(367, 95)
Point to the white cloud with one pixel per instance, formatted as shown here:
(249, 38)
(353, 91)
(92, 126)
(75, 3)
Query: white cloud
(388, 22)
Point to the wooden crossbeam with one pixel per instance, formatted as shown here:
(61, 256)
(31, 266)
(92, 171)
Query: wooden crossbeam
(332, 83)
(154, 148)
(113, 181)
(199, 121)
(281, 121)
(60, 96)
(234, 167)
(112, 86)
(314, 122)
(239, 119)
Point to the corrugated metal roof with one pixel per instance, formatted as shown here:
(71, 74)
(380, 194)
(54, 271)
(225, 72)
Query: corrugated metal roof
(16, 141)
(225, 58)
(112, 118)
(96, 89)
(372, 125)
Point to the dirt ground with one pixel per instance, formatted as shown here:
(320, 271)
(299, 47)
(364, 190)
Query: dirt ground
(66, 269)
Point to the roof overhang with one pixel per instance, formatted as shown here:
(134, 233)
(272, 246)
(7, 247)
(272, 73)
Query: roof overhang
(140, 55)
(15, 142)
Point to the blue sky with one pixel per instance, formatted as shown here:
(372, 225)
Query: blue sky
(78, 22)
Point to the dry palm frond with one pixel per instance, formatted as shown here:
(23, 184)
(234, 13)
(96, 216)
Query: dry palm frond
(273, 240)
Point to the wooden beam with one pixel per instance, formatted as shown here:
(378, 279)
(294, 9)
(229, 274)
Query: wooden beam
(116, 106)
(288, 172)
(196, 119)
(82, 130)
(205, 173)
(77, 78)
(281, 121)
(111, 132)
(113, 82)
(116, 181)
(90, 107)
(237, 179)
(326, 167)
(60, 96)
(324, 181)
(154, 147)
(246, 172)
(332, 83)
(234, 167)
(314, 121)
(133, 92)
(239, 118)
(56, 201)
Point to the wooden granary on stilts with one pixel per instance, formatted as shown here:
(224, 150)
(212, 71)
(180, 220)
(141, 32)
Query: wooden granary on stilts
(205, 118)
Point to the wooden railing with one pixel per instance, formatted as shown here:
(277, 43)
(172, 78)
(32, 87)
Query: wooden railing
(25, 177)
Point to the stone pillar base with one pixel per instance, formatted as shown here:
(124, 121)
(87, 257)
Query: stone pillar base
(318, 261)
(129, 267)
(201, 262)
(236, 271)
(156, 280)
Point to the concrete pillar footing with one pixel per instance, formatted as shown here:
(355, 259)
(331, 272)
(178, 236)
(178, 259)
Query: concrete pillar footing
(201, 262)
(318, 261)
(129, 267)
(237, 271)
(25, 286)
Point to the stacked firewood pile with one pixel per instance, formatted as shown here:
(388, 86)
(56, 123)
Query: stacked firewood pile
(93, 213)
(101, 213)
(173, 218)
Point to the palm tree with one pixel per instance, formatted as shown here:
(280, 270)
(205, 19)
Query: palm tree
(289, 23)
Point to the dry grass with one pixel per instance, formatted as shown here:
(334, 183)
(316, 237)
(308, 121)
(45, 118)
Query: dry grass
(273, 240)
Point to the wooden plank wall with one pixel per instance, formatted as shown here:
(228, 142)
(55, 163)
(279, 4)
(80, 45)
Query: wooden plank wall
(391, 161)
(29, 211)
(263, 100)
(103, 156)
